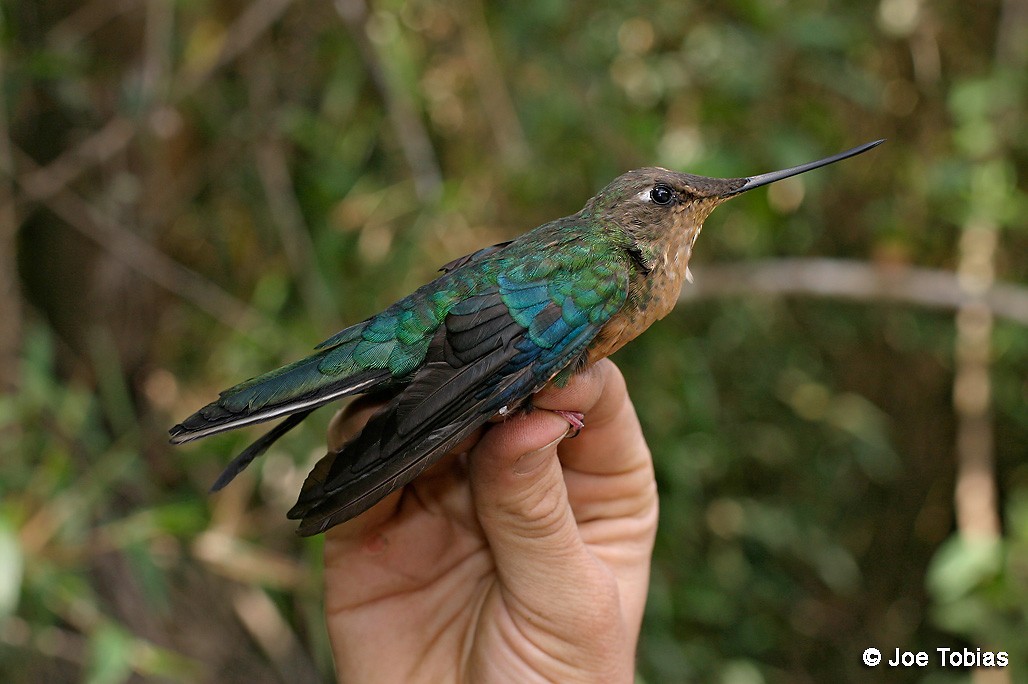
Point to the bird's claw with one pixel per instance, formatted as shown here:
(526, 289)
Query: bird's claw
(575, 419)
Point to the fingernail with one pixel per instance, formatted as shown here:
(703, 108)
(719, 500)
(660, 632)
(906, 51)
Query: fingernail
(526, 463)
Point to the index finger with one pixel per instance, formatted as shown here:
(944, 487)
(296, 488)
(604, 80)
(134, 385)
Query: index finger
(611, 441)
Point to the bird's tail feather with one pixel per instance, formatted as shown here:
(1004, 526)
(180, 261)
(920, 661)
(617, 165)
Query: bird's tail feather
(262, 444)
(298, 387)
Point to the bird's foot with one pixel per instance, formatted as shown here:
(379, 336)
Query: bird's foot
(575, 419)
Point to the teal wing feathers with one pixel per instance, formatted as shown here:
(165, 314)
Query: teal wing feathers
(373, 355)
(358, 359)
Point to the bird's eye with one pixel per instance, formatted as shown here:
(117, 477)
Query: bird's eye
(662, 195)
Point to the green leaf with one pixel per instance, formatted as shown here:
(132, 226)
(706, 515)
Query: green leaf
(961, 565)
(110, 655)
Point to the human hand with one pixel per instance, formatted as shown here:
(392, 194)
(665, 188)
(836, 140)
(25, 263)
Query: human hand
(522, 557)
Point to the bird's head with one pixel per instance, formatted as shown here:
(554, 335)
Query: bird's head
(661, 209)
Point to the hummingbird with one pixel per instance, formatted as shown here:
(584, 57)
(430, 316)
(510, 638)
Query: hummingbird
(493, 329)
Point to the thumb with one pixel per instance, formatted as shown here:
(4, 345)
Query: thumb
(522, 504)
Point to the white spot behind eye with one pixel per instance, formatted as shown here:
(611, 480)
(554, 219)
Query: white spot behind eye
(644, 196)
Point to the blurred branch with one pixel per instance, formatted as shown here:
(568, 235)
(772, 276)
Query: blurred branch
(492, 87)
(292, 229)
(144, 258)
(157, 51)
(89, 17)
(51, 641)
(410, 132)
(266, 624)
(247, 563)
(976, 498)
(10, 297)
(118, 133)
(1012, 34)
(247, 28)
(277, 183)
(856, 280)
(42, 182)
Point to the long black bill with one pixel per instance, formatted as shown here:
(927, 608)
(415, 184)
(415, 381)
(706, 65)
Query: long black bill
(765, 178)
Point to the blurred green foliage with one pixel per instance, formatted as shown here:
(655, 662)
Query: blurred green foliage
(206, 189)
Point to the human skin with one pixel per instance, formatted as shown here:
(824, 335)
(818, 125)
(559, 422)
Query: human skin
(524, 556)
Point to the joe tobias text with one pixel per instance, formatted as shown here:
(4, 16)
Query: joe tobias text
(948, 657)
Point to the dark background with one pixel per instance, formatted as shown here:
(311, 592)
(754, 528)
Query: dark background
(194, 192)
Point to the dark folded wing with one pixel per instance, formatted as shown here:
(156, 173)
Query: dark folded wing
(493, 350)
